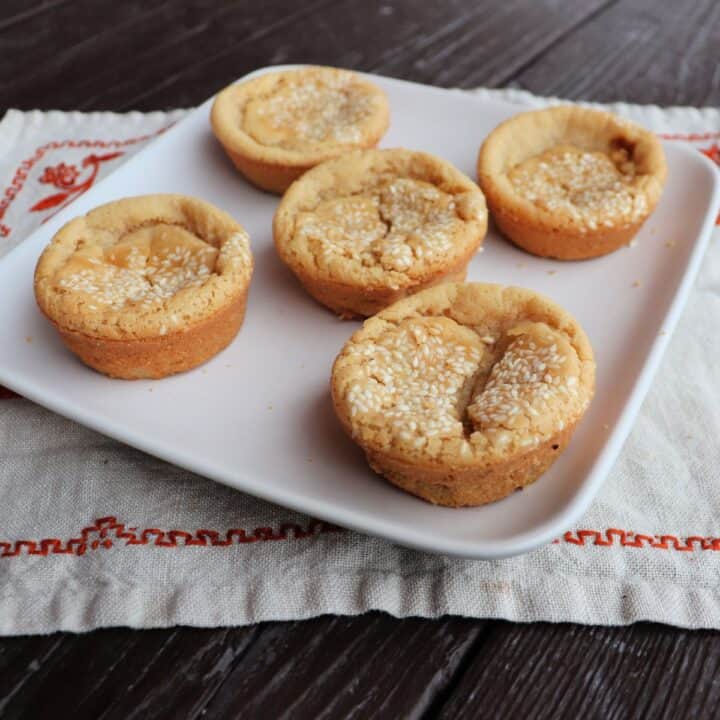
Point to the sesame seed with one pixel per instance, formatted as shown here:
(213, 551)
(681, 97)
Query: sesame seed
(592, 188)
(398, 225)
(316, 107)
(149, 277)
(413, 381)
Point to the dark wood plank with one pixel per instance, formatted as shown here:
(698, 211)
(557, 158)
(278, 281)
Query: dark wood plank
(183, 75)
(139, 45)
(17, 12)
(327, 668)
(374, 666)
(485, 43)
(20, 660)
(76, 662)
(160, 55)
(39, 61)
(120, 673)
(642, 51)
(551, 671)
(415, 41)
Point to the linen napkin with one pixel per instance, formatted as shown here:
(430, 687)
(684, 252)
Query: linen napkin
(93, 533)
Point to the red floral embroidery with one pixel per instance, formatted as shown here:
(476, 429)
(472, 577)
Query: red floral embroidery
(61, 176)
(22, 172)
(65, 177)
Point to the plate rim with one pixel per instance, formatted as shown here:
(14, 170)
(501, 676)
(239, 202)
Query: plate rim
(519, 543)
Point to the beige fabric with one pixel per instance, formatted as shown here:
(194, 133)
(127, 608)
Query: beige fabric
(58, 481)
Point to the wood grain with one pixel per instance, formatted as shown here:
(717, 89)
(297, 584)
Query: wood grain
(15, 12)
(550, 671)
(643, 51)
(330, 668)
(383, 666)
(150, 54)
(121, 673)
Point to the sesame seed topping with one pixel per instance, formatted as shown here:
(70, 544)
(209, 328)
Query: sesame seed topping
(527, 386)
(311, 108)
(147, 267)
(592, 188)
(410, 380)
(397, 225)
(429, 381)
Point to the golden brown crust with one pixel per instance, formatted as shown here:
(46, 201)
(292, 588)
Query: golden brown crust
(547, 228)
(469, 487)
(266, 175)
(556, 242)
(479, 398)
(351, 302)
(273, 160)
(158, 357)
(146, 286)
(367, 229)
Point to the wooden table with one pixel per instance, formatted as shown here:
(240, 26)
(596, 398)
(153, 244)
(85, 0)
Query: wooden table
(150, 54)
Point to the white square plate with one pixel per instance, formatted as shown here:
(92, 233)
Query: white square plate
(258, 417)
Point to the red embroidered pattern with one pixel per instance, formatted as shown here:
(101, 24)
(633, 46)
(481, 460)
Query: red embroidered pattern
(23, 170)
(626, 538)
(107, 531)
(690, 137)
(64, 177)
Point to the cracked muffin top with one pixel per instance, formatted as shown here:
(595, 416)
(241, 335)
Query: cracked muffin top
(464, 374)
(142, 267)
(380, 218)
